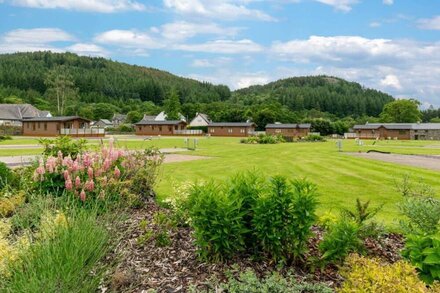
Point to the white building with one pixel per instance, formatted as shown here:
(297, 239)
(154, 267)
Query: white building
(162, 116)
(200, 120)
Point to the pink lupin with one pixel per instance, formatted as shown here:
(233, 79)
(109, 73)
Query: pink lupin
(117, 172)
(82, 195)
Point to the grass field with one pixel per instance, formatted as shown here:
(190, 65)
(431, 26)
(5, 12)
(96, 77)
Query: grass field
(341, 178)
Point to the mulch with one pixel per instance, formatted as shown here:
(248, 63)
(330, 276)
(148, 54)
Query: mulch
(176, 267)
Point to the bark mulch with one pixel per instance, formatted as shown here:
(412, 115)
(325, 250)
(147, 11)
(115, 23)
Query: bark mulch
(143, 266)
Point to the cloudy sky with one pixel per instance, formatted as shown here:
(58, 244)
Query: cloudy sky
(391, 45)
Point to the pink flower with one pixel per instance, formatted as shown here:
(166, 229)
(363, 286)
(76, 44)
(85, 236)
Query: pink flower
(106, 165)
(40, 170)
(69, 184)
(67, 161)
(66, 174)
(51, 164)
(77, 182)
(82, 195)
(87, 160)
(75, 166)
(90, 185)
(60, 156)
(117, 172)
(90, 172)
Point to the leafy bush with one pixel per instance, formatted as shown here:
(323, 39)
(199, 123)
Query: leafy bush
(363, 215)
(64, 144)
(263, 139)
(249, 282)
(248, 213)
(100, 177)
(314, 137)
(339, 241)
(424, 253)
(9, 204)
(5, 137)
(422, 215)
(65, 263)
(217, 222)
(370, 275)
(283, 218)
(7, 176)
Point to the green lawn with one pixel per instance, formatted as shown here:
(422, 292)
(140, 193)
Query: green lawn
(341, 178)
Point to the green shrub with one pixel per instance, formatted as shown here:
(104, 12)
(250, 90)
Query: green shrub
(217, 222)
(7, 176)
(65, 263)
(424, 253)
(127, 128)
(263, 139)
(64, 144)
(339, 241)
(363, 274)
(249, 282)
(363, 215)
(314, 137)
(283, 218)
(422, 215)
(5, 137)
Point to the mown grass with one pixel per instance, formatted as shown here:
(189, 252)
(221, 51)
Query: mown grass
(341, 178)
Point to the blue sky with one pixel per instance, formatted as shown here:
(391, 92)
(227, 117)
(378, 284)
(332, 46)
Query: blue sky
(391, 45)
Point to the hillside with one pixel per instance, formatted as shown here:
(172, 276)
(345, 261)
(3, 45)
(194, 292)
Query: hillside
(105, 86)
(102, 80)
(323, 93)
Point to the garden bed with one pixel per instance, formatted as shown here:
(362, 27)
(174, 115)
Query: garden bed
(177, 267)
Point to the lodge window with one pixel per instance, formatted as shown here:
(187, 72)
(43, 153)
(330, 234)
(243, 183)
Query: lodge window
(160, 128)
(212, 130)
(45, 125)
(402, 131)
(170, 128)
(229, 130)
(278, 131)
(38, 125)
(242, 130)
(33, 126)
(175, 128)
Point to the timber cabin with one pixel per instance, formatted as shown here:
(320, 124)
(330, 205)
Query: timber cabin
(236, 129)
(288, 130)
(400, 131)
(63, 125)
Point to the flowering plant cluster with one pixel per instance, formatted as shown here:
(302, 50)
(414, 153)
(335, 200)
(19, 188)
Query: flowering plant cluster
(90, 174)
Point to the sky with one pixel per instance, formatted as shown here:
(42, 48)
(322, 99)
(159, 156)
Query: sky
(390, 45)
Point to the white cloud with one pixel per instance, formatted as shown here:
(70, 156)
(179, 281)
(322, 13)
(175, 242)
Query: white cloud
(223, 46)
(128, 39)
(87, 50)
(234, 79)
(182, 30)
(342, 5)
(206, 63)
(37, 39)
(388, 2)
(401, 67)
(217, 9)
(430, 23)
(37, 35)
(375, 24)
(391, 81)
(103, 6)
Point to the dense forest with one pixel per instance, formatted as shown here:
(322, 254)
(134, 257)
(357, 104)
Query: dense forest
(99, 87)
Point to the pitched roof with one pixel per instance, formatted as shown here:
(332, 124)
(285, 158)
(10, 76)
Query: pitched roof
(281, 125)
(149, 117)
(231, 124)
(57, 119)
(401, 126)
(105, 121)
(166, 122)
(19, 111)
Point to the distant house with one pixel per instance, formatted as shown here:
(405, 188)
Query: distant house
(102, 123)
(162, 116)
(413, 131)
(12, 114)
(288, 130)
(151, 127)
(200, 120)
(63, 125)
(149, 117)
(118, 119)
(238, 129)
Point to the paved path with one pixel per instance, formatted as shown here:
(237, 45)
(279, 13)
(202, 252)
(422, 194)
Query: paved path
(421, 161)
(170, 157)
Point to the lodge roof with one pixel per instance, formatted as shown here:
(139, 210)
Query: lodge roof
(166, 122)
(55, 119)
(20, 111)
(399, 126)
(288, 126)
(231, 124)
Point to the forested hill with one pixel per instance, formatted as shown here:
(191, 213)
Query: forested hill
(322, 93)
(101, 87)
(103, 80)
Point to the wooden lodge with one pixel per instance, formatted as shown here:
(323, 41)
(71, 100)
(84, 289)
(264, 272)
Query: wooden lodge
(236, 129)
(288, 130)
(64, 125)
(152, 127)
(400, 131)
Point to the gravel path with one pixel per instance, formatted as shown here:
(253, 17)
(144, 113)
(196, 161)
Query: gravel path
(427, 162)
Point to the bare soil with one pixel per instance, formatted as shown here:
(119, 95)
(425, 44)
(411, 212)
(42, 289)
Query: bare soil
(421, 161)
